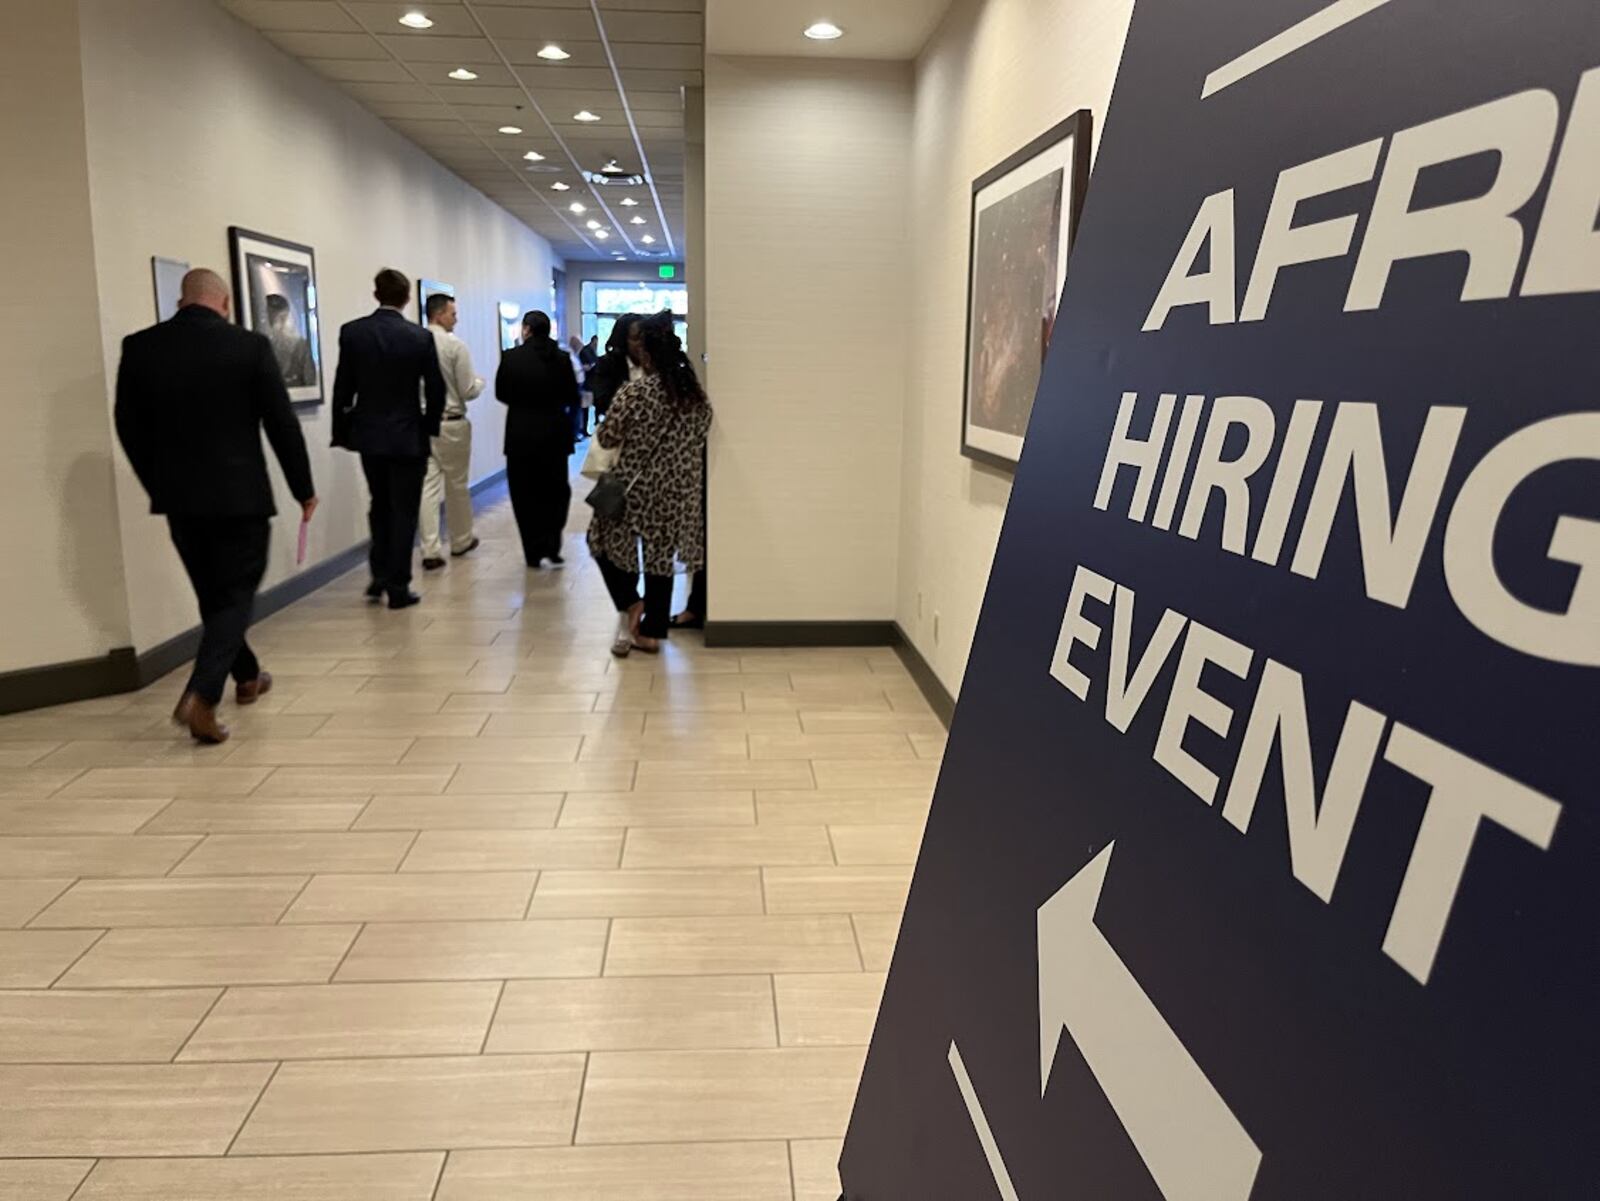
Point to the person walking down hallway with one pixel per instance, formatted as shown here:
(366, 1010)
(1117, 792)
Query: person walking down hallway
(194, 394)
(450, 463)
(658, 425)
(387, 365)
(614, 368)
(539, 388)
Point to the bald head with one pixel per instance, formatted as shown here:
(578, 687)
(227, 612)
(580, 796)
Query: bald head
(205, 287)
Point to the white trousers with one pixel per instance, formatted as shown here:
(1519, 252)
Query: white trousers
(446, 483)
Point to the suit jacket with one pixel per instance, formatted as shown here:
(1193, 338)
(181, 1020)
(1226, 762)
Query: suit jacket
(193, 396)
(537, 385)
(387, 365)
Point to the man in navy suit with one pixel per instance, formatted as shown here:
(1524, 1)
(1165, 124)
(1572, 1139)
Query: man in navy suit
(388, 367)
(194, 395)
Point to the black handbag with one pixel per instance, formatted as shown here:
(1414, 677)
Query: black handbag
(609, 496)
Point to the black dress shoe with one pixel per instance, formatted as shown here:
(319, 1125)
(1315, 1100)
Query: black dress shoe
(556, 560)
(433, 565)
(465, 550)
(403, 600)
(375, 592)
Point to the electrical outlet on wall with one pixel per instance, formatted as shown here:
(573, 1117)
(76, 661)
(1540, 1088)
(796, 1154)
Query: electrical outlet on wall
(936, 628)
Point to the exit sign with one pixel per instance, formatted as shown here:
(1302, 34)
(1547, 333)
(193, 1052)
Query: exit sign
(668, 272)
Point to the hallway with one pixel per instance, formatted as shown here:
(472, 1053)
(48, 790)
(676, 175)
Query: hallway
(466, 910)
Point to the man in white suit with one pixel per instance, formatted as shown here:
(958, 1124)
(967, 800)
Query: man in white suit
(450, 462)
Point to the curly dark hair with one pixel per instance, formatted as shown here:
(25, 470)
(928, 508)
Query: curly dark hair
(661, 343)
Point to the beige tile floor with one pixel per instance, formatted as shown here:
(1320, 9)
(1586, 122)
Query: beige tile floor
(467, 910)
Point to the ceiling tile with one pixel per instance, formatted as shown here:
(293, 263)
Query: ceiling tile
(449, 20)
(298, 16)
(542, 24)
(682, 28)
(357, 70)
(657, 49)
(426, 48)
(646, 55)
(328, 45)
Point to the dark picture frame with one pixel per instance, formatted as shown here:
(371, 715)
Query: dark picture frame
(427, 288)
(1023, 220)
(265, 266)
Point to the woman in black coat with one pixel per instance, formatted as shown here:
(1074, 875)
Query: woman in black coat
(615, 367)
(537, 385)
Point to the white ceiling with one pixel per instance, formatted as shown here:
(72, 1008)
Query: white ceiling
(630, 61)
(881, 29)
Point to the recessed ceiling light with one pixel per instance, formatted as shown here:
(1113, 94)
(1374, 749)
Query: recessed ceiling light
(637, 221)
(648, 240)
(416, 20)
(553, 53)
(602, 234)
(463, 74)
(511, 129)
(533, 156)
(621, 258)
(824, 31)
(593, 224)
(577, 206)
(629, 202)
(585, 116)
(558, 186)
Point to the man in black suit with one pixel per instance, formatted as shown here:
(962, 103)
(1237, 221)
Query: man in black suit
(387, 364)
(193, 395)
(539, 388)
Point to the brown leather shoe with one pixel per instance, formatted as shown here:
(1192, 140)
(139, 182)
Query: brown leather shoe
(251, 691)
(201, 718)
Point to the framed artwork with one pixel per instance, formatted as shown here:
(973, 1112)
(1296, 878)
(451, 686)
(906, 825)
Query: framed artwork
(1024, 217)
(275, 293)
(427, 288)
(510, 325)
(167, 275)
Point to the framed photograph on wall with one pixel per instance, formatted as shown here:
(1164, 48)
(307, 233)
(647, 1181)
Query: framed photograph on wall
(510, 325)
(1024, 217)
(427, 288)
(275, 293)
(167, 275)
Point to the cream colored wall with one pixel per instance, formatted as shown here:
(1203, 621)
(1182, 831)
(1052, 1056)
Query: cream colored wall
(995, 75)
(60, 554)
(807, 261)
(196, 123)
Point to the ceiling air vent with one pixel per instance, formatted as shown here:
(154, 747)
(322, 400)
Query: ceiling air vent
(613, 176)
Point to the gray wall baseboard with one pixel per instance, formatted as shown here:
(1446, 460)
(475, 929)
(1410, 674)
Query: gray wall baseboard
(125, 670)
(933, 689)
(176, 651)
(769, 634)
(756, 634)
(61, 683)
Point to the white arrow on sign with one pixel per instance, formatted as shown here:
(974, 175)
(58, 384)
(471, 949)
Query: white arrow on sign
(1188, 1137)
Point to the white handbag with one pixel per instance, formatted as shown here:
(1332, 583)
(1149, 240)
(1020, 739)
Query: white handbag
(597, 461)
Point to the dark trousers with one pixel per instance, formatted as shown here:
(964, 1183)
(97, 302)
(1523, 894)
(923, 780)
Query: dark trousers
(697, 595)
(225, 558)
(624, 589)
(541, 498)
(396, 488)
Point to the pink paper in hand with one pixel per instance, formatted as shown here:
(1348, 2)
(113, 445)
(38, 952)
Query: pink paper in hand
(300, 553)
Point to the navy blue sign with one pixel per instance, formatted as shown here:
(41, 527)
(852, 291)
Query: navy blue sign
(1263, 866)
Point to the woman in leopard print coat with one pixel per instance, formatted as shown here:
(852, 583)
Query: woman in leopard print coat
(658, 424)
